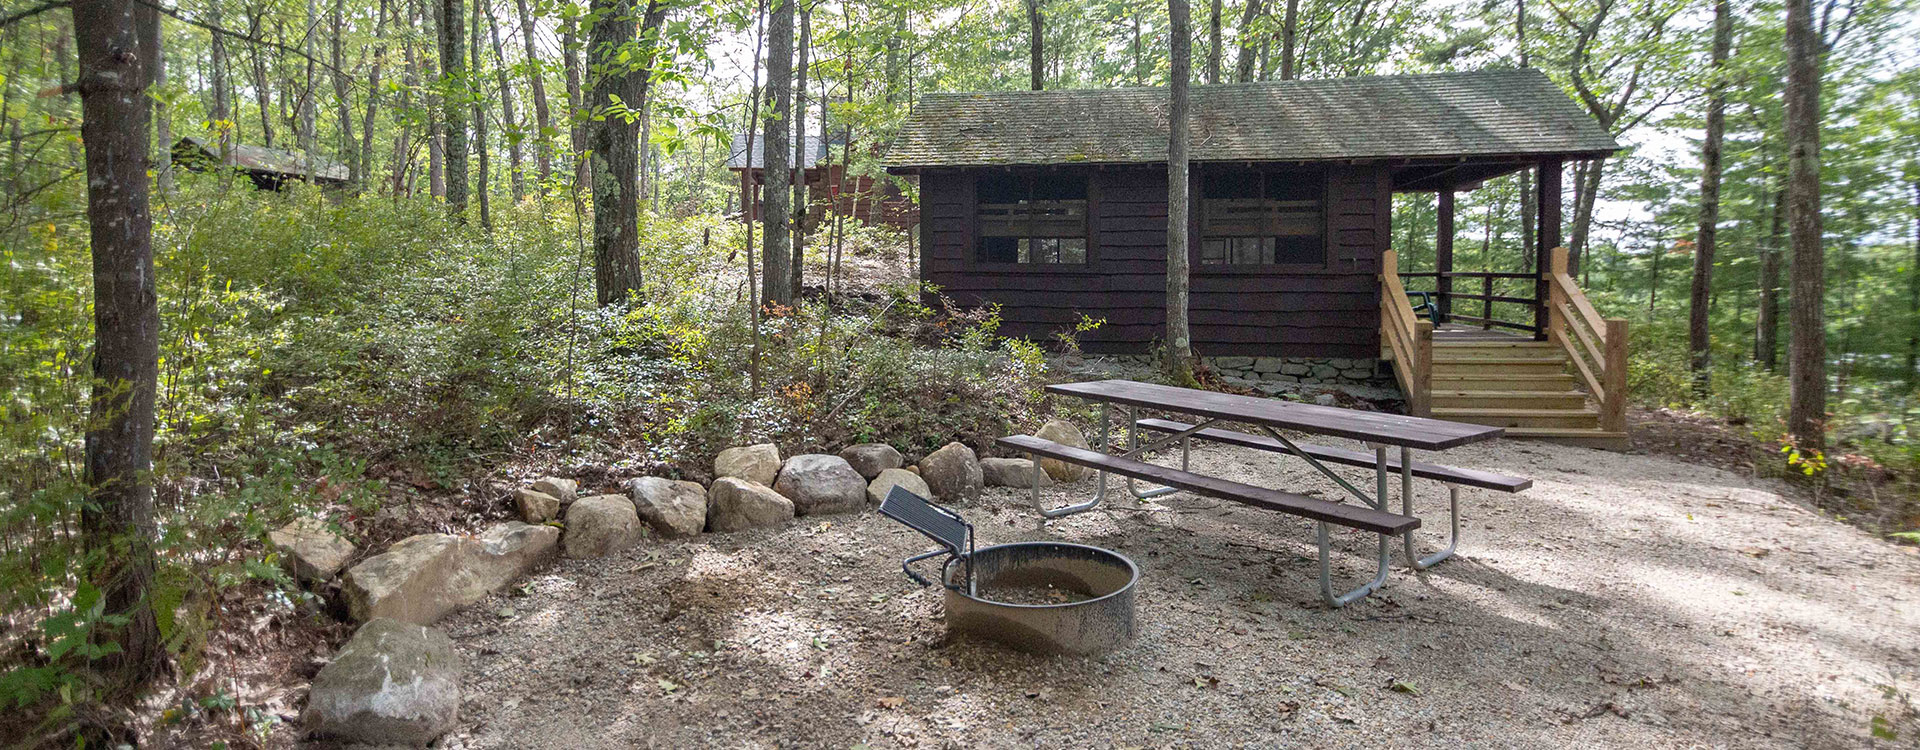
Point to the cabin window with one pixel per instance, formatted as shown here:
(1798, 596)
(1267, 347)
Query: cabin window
(1253, 218)
(1032, 219)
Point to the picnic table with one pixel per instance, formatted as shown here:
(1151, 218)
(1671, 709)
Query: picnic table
(1380, 432)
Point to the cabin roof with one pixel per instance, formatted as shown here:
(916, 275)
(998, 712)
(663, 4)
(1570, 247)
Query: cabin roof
(1488, 113)
(737, 155)
(262, 159)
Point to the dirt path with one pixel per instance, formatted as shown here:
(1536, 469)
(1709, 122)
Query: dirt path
(1623, 601)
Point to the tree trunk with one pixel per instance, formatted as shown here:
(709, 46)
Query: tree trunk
(1036, 45)
(799, 221)
(477, 105)
(543, 143)
(306, 109)
(509, 124)
(1699, 343)
(343, 95)
(1586, 191)
(373, 94)
(262, 91)
(403, 140)
(1807, 337)
(162, 120)
(115, 40)
(1179, 354)
(1249, 45)
(576, 102)
(1528, 209)
(614, 144)
(222, 114)
(1766, 321)
(1913, 294)
(776, 259)
(1213, 41)
(453, 114)
(1289, 31)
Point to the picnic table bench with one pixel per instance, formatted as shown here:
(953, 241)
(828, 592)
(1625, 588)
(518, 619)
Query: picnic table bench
(1377, 430)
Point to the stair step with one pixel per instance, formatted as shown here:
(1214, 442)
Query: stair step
(1458, 352)
(1518, 344)
(1511, 418)
(1502, 366)
(1501, 381)
(1589, 437)
(1498, 399)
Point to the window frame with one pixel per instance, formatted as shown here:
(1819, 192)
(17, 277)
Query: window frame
(1197, 219)
(1090, 219)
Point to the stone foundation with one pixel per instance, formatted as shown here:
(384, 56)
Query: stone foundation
(1304, 370)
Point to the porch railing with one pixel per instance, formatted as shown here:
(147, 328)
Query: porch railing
(1456, 305)
(1597, 346)
(1406, 338)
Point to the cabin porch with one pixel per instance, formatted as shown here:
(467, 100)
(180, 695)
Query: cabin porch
(1523, 349)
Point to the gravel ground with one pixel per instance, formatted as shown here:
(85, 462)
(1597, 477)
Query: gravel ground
(1623, 601)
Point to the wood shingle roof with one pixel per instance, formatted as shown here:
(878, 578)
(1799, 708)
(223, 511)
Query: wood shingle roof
(1487, 113)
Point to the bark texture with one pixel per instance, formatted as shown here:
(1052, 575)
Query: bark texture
(1699, 343)
(1807, 335)
(1179, 354)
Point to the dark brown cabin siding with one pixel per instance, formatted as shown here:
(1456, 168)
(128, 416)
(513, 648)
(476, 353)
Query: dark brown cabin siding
(1330, 311)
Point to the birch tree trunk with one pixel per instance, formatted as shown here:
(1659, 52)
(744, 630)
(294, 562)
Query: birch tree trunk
(1179, 354)
(1807, 335)
(1699, 343)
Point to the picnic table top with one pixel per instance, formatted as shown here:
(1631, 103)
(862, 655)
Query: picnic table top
(1369, 426)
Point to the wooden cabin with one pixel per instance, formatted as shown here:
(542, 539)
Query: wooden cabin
(268, 168)
(1053, 205)
(857, 197)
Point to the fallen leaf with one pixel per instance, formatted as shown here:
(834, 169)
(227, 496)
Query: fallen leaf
(1403, 686)
(892, 701)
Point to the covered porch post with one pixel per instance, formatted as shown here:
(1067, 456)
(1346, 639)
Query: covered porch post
(1547, 237)
(1443, 255)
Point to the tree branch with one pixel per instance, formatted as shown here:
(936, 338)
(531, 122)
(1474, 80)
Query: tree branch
(18, 16)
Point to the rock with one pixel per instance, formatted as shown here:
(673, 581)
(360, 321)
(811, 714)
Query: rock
(564, 490)
(819, 484)
(600, 525)
(881, 485)
(310, 551)
(759, 464)
(953, 473)
(914, 469)
(673, 508)
(1326, 399)
(422, 578)
(1064, 433)
(1012, 472)
(1294, 368)
(509, 550)
(872, 458)
(536, 506)
(394, 683)
(734, 504)
(1233, 363)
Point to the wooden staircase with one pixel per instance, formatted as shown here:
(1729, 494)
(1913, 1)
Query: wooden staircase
(1569, 388)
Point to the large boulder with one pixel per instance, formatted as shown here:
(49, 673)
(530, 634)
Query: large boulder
(422, 578)
(564, 490)
(820, 484)
(953, 473)
(872, 458)
(1064, 433)
(311, 551)
(394, 683)
(734, 504)
(536, 506)
(881, 485)
(1012, 472)
(600, 525)
(673, 508)
(759, 464)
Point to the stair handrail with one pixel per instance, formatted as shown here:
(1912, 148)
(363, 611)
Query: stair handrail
(1407, 338)
(1597, 346)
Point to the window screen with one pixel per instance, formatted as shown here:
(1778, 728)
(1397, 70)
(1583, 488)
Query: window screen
(1250, 218)
(1032, 219)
